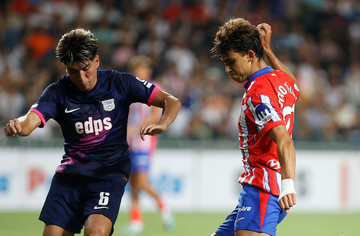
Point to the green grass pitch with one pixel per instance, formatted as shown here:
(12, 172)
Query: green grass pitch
(198, 224)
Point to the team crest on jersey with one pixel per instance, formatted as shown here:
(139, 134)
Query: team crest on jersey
(109, 104)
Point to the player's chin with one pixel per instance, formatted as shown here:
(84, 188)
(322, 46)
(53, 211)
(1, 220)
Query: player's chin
(242, 79)
(234, 77)
(237, 78)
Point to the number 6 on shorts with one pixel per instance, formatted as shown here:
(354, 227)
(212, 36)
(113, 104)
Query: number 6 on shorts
(104, 198)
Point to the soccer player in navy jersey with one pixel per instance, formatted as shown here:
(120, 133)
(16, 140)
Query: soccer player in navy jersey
(265, 125)
(92, 109)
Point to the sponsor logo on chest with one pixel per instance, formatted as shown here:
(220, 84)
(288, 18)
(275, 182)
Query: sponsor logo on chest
(93, 126)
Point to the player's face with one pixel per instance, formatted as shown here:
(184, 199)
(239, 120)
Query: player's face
(237, 65)
(84, 76)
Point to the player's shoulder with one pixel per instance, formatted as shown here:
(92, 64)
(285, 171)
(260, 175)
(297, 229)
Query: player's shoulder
(114, 78)
(282, 76)
(64, 85)
(114, 74)
(60, 84)
(268, 81)
(274, 77)
(108, 74)
(62, 81)
(264, 85)
(258, 85)
(284, 82)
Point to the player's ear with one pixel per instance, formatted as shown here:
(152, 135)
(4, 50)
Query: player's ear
(97, 61)
(251, 55)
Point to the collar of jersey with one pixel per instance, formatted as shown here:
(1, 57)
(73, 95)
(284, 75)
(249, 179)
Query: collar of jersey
(258, 73)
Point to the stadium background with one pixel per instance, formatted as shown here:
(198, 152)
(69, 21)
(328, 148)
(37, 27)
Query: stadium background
(319, 41)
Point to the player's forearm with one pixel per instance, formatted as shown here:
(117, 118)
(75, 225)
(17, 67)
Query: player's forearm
(287, 159)
(28, 123)
(24, 131)
(170, 110)
(276, 64)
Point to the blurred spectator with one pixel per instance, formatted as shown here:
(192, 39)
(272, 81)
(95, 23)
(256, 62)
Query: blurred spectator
(12, 101)
(41, 44)
(92, 12)
(173, 11)
(23, 7)
(352, 82)
(181, 55)
(318, 41)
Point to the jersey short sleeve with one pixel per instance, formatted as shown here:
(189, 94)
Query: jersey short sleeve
(264, 108)
(137, 90)
(45, 107)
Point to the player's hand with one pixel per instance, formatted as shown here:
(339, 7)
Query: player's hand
(152, 129)
(12, 128)
(265, 35)
(287, 201)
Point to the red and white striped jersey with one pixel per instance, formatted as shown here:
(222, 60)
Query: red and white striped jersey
(268, 101)
(137, 114)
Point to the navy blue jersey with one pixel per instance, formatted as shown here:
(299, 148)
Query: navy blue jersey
(94, 122)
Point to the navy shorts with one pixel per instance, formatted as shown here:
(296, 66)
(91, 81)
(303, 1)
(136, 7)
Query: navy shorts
(72, 198)
(257, 211)
(140, 162)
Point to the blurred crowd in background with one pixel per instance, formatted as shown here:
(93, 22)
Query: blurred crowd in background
(319, 41)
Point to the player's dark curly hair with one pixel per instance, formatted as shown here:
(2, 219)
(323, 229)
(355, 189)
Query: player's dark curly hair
(79, 46)
(237, 35)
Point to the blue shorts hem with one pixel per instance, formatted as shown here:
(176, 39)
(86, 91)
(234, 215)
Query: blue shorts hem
(257, 211)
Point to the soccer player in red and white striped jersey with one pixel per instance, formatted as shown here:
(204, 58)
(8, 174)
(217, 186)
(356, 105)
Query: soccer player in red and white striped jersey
(265, 126)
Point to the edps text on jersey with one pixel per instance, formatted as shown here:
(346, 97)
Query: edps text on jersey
(93, 126)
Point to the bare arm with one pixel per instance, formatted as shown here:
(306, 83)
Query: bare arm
(275, 63)
(286, 154)
(170, 106)
(23, 125)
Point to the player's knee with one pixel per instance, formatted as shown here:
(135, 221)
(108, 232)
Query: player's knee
(96, 232)
(97, 225)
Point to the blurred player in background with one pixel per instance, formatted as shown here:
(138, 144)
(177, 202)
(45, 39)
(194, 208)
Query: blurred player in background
(265, 126)
(141, 153)
(92, 109)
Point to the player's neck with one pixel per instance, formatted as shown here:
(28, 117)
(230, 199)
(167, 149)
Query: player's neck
(258, 66)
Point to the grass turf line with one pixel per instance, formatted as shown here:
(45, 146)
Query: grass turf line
(198, 224)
